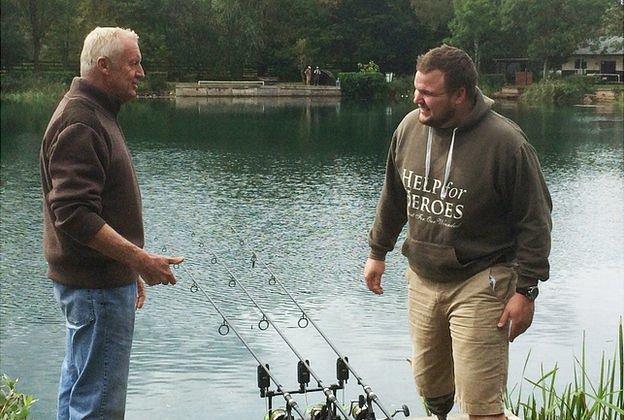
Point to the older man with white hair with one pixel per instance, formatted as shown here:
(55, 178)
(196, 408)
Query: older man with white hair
(93, 227)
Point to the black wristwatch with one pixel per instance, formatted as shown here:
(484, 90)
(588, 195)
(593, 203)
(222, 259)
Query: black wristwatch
(530, 292)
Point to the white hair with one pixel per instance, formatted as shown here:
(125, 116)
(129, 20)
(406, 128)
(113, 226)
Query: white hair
(102, 42)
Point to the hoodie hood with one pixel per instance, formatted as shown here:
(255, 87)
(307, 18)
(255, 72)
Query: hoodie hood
(481, 107)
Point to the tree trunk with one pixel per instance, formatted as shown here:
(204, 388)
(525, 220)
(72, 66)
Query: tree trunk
(36, 52)
(36, 31)
(477, 58)
(545, 68)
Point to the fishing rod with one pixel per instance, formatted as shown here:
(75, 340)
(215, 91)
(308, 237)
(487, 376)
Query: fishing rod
(303, 322)
(225, 327)
(266, 321)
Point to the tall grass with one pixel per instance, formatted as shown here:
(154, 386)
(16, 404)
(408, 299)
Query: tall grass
(602, 398)
(558, 91)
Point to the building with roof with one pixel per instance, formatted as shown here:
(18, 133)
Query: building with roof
(603, 57)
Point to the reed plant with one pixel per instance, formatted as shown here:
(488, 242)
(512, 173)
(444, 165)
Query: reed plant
(13, 404)
(584, 399)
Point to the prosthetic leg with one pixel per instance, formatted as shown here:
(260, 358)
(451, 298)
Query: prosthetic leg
(440, 406)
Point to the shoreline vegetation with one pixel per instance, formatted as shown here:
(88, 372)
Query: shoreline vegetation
(14, 405)
(584, 399)
(363, 85)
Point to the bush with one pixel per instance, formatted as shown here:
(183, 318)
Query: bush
(154, 82)
(370, 67)
(566, 91)
(401, 87)
(13, 405)
(363, 85)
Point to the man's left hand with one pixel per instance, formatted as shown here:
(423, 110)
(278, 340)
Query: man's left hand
(141, 293)
(519, 311)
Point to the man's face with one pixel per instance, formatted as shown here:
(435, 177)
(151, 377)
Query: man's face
(437, 106)
(126, 71)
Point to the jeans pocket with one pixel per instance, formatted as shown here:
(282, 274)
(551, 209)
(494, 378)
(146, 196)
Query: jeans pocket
(76, 304)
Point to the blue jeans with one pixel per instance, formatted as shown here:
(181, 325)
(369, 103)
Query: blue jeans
(94, 375)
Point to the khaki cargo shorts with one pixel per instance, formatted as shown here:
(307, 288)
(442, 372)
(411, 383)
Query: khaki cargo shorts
(457, 346)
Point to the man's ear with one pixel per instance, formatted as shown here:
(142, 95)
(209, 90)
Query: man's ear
(461, 96)
(104, 65)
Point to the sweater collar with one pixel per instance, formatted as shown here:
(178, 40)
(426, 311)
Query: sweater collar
(84, 89)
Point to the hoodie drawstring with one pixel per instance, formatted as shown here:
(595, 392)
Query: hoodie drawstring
(449, 162)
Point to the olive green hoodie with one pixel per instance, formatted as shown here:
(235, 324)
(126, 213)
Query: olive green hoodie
(473, 196)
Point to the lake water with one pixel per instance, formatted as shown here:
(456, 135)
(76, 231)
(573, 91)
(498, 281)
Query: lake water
(299, 180)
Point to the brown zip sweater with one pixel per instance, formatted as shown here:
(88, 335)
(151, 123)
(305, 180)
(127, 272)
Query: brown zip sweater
(88, 180)
(472, 197)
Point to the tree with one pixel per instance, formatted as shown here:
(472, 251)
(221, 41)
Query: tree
(553, 28)
(476, 27)
(612, 23)
(38, 16)
(385, 31)
(436, 14)
(238, 24)
(13, 41)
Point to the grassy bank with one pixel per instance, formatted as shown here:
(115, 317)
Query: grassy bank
(51, 86)
(30, 87)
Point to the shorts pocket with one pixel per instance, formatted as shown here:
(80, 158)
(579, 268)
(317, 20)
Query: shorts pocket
(502, 282)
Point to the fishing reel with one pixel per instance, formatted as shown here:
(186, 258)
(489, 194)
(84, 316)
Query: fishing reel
(321, 412)
(360, 409)
(278, 414)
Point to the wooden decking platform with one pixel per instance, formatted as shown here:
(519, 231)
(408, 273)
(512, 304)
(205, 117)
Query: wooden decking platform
(509, 92)
(455, 416)
(209, 88)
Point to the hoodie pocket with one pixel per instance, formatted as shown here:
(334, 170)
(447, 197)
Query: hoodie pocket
(437, 262)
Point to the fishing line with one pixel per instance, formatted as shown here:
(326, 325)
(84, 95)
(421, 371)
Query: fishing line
(225, 328)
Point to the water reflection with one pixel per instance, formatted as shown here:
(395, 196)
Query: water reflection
(299, 179)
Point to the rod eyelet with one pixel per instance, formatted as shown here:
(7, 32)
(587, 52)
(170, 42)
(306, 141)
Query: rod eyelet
(194, 287)
(303, 321)
(272, 280)
(232, 283)
(224, 329)
(263, 324)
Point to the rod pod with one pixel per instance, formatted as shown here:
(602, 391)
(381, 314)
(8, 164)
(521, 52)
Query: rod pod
(370, 395)
(225, 327)
(327, 390)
